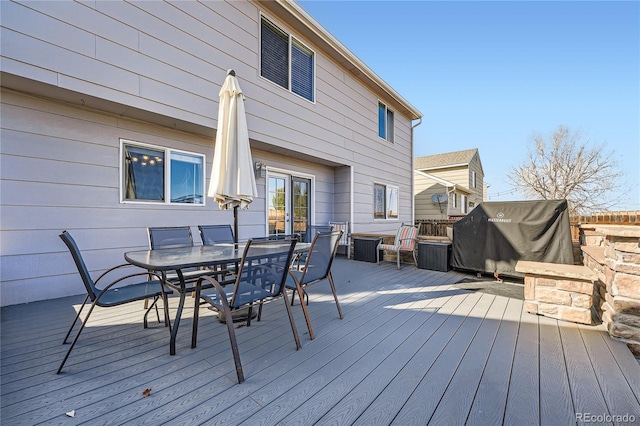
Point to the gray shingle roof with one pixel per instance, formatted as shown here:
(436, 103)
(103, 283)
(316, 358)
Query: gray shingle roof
(446, 159)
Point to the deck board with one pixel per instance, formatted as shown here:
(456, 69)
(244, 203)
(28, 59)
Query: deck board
(411, 349)
(456, 401)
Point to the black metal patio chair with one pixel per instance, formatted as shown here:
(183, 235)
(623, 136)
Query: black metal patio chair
(219, 234)
(109, 295)
(216, 234)
(316, 268)
(174, 237)
(261, 277)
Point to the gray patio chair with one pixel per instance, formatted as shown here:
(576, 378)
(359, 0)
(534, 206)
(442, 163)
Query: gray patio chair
(312, 230)
(108, 296)
(261, 278)
(317, 267)
(219, 234)
(174, 237)
(405, 241)
(169, 237)
(216, 234)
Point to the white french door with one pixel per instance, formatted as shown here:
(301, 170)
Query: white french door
(288, 203)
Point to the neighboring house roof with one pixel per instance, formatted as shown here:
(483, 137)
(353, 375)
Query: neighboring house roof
(444, 182)
(448, 159)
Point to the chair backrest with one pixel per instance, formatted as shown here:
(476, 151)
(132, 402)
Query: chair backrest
(170, 237)
(278, 237)
(406, 237)
(344, 227)
(263, 270)
(216, 234)
(320, 257)
(312, 230)
(82, 268)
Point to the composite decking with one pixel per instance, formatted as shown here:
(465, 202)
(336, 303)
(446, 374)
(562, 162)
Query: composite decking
(411, 349)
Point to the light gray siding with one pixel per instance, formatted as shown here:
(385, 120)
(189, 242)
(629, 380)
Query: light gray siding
(78, 76)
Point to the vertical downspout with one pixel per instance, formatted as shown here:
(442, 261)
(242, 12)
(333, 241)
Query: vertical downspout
(413, 200)
(453, 191)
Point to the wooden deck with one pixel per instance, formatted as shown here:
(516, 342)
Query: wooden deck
(410, 350)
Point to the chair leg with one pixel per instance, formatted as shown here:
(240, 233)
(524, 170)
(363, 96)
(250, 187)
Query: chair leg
(153, 304)
(157, 312)
(292, 322)
(398, 258)
(75, 320)
(93, 305)
(249, 315)
(234, 345)
(335, 296)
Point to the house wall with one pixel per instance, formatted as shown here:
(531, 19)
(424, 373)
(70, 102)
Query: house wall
(424, 188)
(60, 168)
(477, 195)
(80, 76)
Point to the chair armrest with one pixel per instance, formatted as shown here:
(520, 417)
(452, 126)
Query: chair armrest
(124, 265)
(222, 296)
(104, 290)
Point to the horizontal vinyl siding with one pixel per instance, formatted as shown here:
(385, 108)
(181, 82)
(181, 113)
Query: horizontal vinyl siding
(168, 60)
(477, 196)
(59, 171)
(424, 207)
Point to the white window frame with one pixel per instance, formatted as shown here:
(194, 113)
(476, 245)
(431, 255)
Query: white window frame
(463, 204)
(455, 200)
(474, 181)
(389, 190)
(290, 43)
(167, 174)
(389, 130)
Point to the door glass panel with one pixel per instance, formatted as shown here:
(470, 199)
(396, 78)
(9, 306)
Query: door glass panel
(300, 204)
(277, 205)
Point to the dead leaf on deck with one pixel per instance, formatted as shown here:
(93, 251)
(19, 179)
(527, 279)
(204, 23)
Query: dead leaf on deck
(146, 393)
(71, 413)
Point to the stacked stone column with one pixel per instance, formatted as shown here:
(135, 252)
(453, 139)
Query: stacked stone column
(621, 284)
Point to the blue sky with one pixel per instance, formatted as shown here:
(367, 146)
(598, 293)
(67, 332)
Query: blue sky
(491, 75)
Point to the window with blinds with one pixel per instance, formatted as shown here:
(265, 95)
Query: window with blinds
(286, 61)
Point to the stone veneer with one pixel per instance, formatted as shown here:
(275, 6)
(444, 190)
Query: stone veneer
(564, 292)
(615, 258)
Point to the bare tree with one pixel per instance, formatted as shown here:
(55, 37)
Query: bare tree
(565, 167)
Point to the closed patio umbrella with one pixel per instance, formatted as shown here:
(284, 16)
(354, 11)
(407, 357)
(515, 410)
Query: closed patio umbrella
(233, 184)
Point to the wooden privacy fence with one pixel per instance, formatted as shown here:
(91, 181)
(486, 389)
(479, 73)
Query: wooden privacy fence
(604, 218)
(438, 228)
(435, 228)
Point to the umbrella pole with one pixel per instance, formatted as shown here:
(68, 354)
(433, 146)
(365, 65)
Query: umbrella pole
(235, 224)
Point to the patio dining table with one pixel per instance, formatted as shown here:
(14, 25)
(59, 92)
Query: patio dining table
(181, 258)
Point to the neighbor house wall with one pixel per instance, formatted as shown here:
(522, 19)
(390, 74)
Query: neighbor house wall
(425, 208)
(477, 195)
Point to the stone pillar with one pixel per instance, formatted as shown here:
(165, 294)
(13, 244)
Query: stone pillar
(564, 292)
(621, 306)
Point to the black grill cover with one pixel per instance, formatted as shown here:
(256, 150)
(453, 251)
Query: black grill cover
(495, 235)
